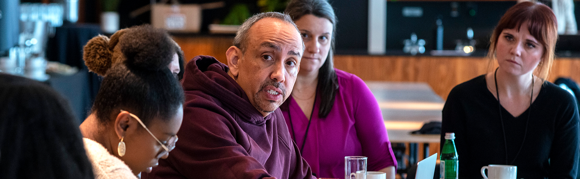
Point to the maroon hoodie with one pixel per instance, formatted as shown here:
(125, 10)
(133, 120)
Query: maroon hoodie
(223, 136)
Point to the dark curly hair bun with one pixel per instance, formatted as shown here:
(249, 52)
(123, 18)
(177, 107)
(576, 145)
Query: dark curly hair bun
(141, 47)
(146, 47)
(97, 55)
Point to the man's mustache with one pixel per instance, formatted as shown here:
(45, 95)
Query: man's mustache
(275, 84)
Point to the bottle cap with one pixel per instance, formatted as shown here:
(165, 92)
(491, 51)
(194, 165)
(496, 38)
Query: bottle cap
(450, 135)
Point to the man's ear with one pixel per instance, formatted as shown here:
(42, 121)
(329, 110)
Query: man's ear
(122, 124)
(234, 55)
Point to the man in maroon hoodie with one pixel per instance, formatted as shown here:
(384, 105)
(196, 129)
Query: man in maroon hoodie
(232, 127)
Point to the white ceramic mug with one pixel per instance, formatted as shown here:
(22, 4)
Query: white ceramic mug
(500, 171)
(359, 175)
(376, 175)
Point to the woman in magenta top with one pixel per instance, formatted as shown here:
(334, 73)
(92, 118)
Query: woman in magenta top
(331, 113)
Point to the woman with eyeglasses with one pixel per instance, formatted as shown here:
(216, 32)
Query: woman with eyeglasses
(138, 109)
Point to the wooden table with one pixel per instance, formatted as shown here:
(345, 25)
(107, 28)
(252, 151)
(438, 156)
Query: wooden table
(406, 106)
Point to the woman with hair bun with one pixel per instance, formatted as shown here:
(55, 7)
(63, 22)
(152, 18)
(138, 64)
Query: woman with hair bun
(512, 115)
(138, 109)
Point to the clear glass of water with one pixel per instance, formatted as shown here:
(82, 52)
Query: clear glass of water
(355, 167)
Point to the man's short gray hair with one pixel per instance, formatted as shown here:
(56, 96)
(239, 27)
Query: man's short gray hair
(242, 35)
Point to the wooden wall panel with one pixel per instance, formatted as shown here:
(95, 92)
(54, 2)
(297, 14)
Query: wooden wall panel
(441, 73)
(566, 67)
(215, 46)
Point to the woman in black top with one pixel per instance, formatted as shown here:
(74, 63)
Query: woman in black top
(512, 115)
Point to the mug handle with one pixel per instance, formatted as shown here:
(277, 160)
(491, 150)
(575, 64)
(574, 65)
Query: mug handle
(352, 176)
(482, 171)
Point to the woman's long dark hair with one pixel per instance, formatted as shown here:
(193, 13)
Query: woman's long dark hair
(327, 79)
(39, 136)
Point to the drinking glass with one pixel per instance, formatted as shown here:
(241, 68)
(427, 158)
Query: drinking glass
(355, 167)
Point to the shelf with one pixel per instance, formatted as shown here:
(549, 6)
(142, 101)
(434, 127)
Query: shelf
(445, 0)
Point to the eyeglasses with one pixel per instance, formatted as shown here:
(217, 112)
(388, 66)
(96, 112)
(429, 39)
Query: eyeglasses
(170, 144)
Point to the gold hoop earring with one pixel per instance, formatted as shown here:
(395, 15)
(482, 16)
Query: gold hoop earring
(121, 148)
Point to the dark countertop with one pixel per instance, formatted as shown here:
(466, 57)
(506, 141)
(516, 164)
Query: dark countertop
(476, 54)
(201, 34)
(401, 53)
(565, 47)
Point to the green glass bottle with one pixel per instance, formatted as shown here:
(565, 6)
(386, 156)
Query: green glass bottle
(449, 161)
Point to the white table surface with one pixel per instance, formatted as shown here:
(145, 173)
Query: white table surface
(406, 106)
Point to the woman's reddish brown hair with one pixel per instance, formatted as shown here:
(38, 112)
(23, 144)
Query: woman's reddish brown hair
(542, 25)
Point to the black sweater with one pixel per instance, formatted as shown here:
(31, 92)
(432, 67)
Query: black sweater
(551, 142)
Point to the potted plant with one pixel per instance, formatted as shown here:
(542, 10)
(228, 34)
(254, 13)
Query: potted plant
(272, 5)
(109, 16)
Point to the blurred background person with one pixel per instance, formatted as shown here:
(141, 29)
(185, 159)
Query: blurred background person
(177, 65)
(39, 137)
(513, 116)
(564, 11)
(331, 113)
(138, 109)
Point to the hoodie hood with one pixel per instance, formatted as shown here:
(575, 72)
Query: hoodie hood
(207, 75)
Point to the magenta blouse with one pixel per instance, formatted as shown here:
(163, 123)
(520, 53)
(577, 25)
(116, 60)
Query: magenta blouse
(354, 127)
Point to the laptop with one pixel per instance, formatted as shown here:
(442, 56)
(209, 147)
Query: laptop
(426, 167)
